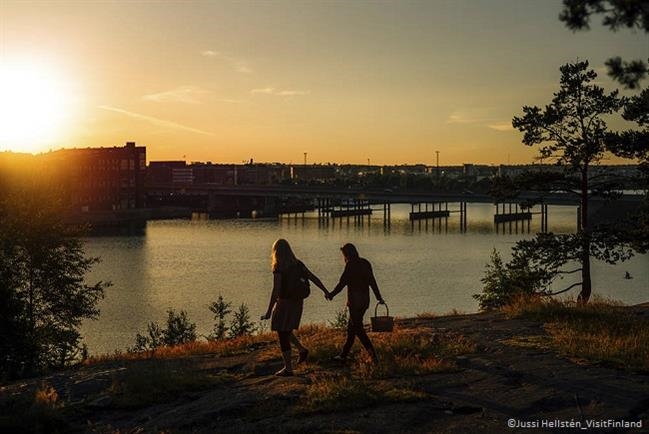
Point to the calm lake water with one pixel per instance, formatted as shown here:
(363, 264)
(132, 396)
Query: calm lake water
(184, 264)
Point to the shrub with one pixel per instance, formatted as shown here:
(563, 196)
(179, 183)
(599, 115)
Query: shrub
(241, 324)
(220, 308)
(340, 320)
(179, 331)
(504, 282)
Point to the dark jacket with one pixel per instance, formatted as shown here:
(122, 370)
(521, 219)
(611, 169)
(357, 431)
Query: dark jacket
(358, 277)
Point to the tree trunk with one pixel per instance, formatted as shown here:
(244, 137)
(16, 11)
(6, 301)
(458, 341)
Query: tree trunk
(586, 287)
(584, 295)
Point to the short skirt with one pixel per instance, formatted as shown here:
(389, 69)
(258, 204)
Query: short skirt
(286, 315)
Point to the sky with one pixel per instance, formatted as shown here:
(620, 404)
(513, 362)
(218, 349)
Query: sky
(389, 82)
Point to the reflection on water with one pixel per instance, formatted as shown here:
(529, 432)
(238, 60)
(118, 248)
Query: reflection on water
(420, 267)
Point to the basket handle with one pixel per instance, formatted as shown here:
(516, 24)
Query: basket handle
(386, 308)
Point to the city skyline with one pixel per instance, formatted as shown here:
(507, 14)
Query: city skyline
(344, 82)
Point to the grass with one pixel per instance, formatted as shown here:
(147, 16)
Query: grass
(38, 412)
(331, 393)
(170, 374)
(225, 347)
(403, 353)
(600, 331)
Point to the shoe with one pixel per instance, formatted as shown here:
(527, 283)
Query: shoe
(284, 373)
(303, 355)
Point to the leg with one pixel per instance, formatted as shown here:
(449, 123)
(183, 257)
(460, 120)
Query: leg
(285, 346)
(295, 341)
(359, 330)
(303, 351)
(351, 335)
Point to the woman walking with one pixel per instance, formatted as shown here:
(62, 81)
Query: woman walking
(287, 299)
(358, 278)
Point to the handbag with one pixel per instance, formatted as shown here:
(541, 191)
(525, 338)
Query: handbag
(382, 323)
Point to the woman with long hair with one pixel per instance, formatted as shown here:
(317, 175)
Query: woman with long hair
(286, 303)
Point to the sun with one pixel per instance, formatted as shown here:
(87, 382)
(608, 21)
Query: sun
(33, 106)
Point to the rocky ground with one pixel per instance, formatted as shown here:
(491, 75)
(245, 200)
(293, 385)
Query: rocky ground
(514, 374)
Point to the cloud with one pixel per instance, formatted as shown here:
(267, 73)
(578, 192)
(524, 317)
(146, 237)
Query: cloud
(238, 65)
(155, 121)
(183, 94)
(468, 116)
(501, 126)
(278, 92)
(479, 117)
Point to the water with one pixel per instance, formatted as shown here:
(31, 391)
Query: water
(184, 264)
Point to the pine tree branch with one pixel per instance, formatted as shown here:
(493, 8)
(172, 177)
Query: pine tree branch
(564, 290)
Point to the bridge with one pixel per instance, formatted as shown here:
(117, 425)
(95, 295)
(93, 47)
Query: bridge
(357, 203)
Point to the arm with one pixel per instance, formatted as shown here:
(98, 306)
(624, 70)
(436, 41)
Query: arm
(277, 283)
(313, 278)
(341, 284)
(375, 286)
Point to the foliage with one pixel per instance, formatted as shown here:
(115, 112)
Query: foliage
(504, 282)
(179, 331)
(631, 14)
(220, 308)
(43, 293)
(572, 130)
(241, 324)
(340, 319)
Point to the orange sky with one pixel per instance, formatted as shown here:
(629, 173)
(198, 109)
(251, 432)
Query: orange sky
(269, 80)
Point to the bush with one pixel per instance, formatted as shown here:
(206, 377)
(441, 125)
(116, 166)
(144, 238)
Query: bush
(241, 324)
(220, 308)
(505, 282)
(179, 331)
(340, 320)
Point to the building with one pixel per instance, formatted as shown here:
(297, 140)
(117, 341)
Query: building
(170, 172)
(98, 179)
(313, 172)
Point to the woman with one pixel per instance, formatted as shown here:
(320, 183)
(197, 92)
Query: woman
(284, 306)
(358, 278)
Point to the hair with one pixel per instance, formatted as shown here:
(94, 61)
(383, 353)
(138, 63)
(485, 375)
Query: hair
(282, 256)
(349, 251)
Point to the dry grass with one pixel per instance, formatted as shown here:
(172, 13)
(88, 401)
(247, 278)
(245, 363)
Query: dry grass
(40, 412)
(226, 347)
(601, 331)
(331, 393)
(416, 351)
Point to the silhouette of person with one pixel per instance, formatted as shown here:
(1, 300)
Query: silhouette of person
(286, 311)
(358, 278)
(627, 275)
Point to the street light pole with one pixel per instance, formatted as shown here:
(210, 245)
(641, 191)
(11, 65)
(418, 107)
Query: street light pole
(437, 152)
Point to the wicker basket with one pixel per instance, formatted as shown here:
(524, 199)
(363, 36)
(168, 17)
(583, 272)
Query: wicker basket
(382, 323)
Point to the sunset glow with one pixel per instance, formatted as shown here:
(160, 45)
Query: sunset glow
(230, 81)
(33, 107)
